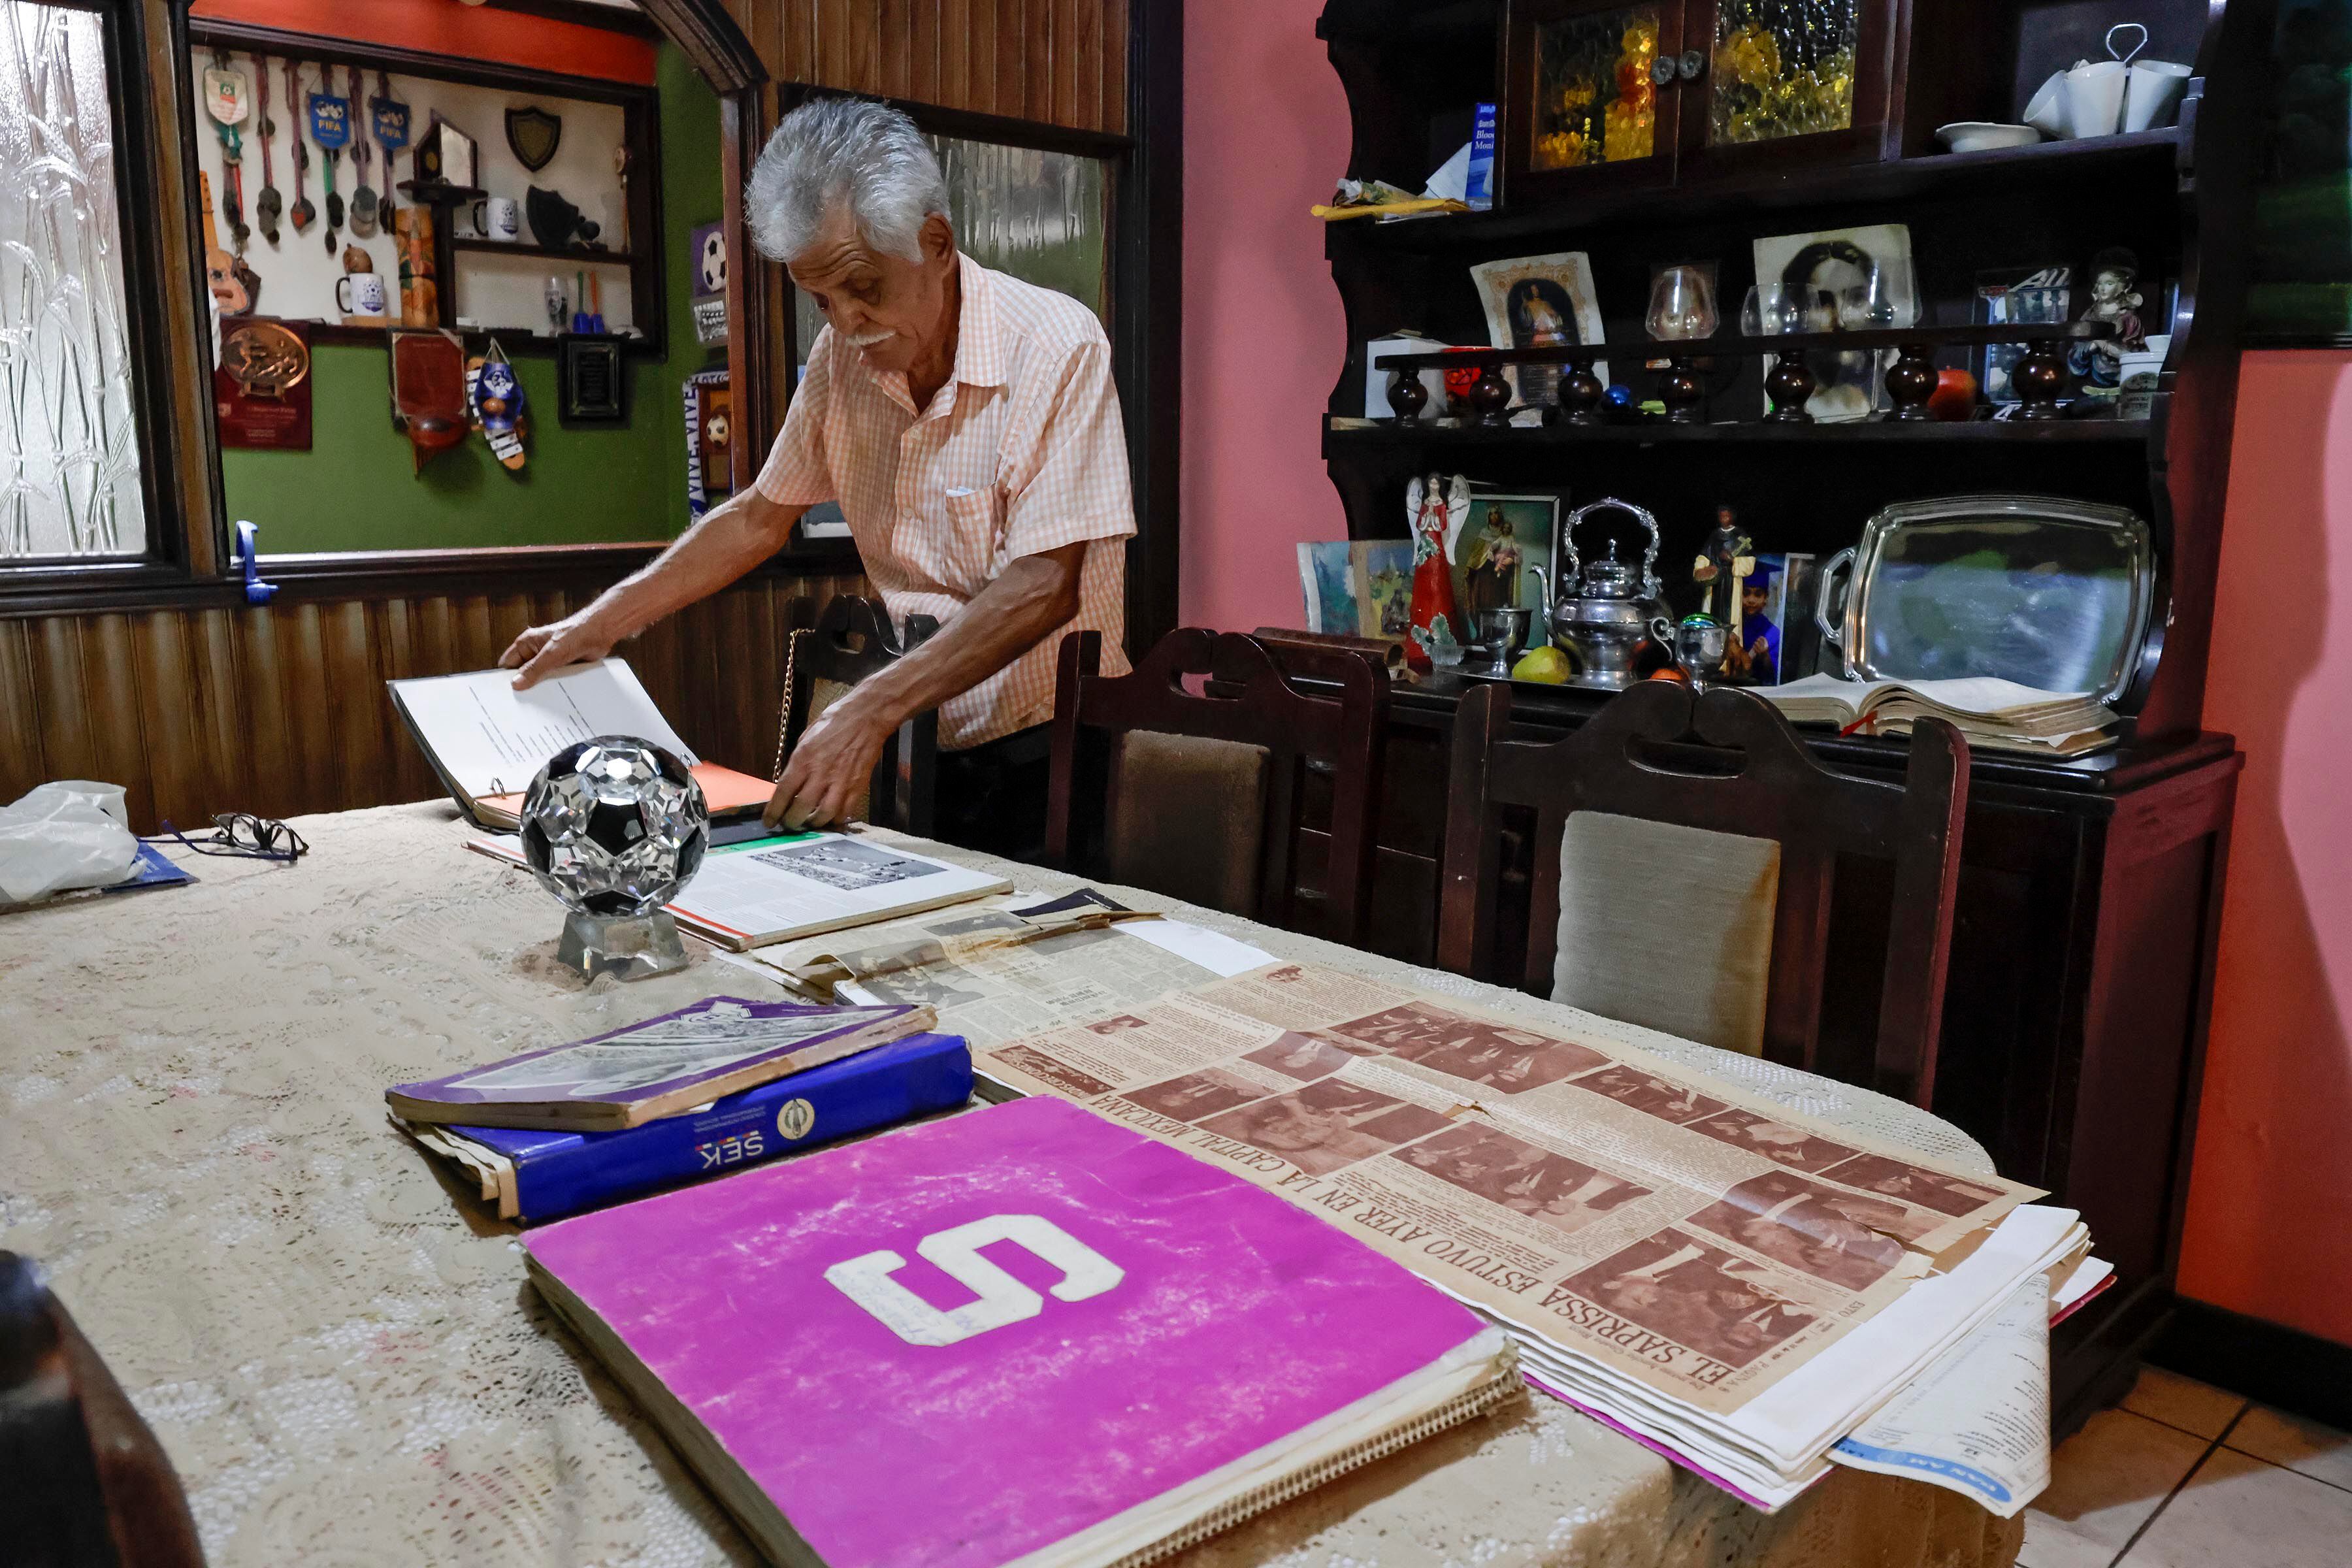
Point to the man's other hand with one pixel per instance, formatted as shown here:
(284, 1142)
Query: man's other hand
(542, 651)
(830, 768)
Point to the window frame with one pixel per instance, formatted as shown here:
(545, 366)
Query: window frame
(162, 287)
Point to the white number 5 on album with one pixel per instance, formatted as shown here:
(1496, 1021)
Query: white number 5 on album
(1003, 1300)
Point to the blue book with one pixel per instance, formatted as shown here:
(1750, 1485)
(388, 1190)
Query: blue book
(1479, 191)
(535, 1175)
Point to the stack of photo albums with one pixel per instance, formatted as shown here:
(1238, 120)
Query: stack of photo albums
(1733, 1283)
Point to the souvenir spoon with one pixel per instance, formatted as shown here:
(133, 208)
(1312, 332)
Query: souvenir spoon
(363, 198)
(303, 212)
(268, 205)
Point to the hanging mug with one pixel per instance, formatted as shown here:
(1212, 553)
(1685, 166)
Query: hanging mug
(2154, 91)
(360, 297)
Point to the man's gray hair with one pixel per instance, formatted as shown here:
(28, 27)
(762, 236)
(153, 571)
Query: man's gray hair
(830, 151)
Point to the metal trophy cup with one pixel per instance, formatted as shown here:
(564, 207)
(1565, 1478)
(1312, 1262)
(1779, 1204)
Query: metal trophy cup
(614, 827)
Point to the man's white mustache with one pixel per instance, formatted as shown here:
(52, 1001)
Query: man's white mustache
(867, 340)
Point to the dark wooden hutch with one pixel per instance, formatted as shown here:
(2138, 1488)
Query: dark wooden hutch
(2080, 987)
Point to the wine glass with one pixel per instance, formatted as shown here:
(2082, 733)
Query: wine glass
(1887, 296)
(1682, 305)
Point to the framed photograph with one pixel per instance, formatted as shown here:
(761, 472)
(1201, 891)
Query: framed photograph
(1541, 301)
(2017, 294)
(1778, 641)
(1501, 555)
(1362, 588)
(2300, 292)
(1835, 260)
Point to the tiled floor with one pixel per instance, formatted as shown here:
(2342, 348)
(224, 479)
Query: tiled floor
(2186, 1476)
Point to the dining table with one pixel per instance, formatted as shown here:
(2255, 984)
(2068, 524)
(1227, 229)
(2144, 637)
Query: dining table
(339, 1350)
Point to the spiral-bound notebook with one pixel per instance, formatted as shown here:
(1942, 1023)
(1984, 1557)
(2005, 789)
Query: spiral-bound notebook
(1024, 1334)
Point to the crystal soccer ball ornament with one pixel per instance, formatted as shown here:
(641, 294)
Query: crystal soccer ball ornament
(614, 827)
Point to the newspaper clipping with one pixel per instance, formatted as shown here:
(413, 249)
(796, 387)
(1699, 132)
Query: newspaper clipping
(991, 974)
(1687, 1237)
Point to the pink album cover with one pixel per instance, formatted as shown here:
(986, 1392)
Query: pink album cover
(961, 1342)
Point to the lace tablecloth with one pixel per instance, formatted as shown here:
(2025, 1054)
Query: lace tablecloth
(341, 1355)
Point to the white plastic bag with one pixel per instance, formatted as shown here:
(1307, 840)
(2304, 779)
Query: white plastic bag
(68, 834)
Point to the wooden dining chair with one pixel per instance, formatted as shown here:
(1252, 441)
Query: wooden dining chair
(852, 639)
(1198, 794)
(1686, 849)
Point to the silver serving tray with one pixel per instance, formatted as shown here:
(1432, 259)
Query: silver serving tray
(2051, 593)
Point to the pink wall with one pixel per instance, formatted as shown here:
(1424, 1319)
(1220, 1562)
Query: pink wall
(2269, 1203)
(1266, 137)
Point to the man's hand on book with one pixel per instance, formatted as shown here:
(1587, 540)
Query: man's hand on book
(541, 651)
(831, 767)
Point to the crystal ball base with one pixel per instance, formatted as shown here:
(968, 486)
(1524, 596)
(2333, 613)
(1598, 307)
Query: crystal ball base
(627, 947)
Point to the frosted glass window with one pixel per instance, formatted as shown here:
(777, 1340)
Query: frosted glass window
(1783, 68)
(68, 447)
(1041, 216)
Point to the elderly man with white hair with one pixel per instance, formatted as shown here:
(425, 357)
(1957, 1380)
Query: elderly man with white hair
(967, 424)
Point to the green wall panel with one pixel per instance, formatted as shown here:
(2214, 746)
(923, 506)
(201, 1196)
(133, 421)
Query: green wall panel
(357, 488)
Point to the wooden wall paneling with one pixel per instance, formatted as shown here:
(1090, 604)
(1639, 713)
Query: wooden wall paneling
(227, 724)
(20, 713)
(310, 711)
(67, 749)
(1012, 83)
(894, 46)
(355, 682)
(1085, 74)
(955, 51)
(833, 40)
(399, 634)
(1044, 37)
(179, 767)
(1112, 114)
(923, 51)
(110, 674)
(274, 763)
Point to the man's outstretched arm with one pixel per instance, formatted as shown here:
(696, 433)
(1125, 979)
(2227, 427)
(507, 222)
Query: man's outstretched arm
(728, 541)
(834, 759)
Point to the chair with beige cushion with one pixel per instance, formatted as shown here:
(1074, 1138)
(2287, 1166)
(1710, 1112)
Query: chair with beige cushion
(852, 639)
(1685, 850)
(1189, 777)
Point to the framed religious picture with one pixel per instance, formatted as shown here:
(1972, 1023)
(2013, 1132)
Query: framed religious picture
(1540, 301)
(1503, 553)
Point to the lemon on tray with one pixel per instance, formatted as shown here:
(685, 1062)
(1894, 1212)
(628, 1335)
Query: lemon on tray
(1546, 665)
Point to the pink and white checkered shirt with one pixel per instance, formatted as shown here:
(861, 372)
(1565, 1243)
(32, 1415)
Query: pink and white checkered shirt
(1021, 452)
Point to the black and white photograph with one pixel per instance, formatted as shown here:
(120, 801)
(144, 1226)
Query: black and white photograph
(846, 864)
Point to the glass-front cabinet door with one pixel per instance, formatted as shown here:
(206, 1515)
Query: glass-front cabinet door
(1587, 98)
(1782, 81)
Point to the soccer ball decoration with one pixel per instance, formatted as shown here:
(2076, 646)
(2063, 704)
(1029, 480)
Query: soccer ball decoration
(614, 827)
(712, 265)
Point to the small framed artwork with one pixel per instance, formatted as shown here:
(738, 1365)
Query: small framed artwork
(1502, 552)
(1581, 106)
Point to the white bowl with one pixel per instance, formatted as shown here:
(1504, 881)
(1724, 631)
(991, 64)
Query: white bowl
(1981, 136)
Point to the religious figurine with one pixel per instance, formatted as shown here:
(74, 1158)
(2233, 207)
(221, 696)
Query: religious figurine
(1730, 556)
(2114, 298)
(1435, 616)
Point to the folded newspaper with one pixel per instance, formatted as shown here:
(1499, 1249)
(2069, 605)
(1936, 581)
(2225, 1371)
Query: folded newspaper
(1731, 1282)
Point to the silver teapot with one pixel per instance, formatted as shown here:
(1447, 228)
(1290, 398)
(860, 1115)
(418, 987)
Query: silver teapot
(1605, 609)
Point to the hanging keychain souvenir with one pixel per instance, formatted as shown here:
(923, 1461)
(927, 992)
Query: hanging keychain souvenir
(496, 400)
(330, 126)
(268, 205)
(302, 211)
(388, 116)
(224, 274)
(227, 96)
(362, 212)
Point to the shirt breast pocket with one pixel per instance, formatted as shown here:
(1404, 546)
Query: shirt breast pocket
(975, 531)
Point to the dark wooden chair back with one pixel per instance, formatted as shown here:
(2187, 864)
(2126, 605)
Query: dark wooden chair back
(852, 639)
(1725, 761)
(1245, 698)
